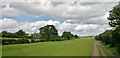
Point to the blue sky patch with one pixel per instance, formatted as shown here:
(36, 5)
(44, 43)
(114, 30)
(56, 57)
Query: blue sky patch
(32, 18)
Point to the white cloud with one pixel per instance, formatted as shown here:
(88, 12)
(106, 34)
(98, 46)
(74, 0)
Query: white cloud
(8, 24)
(33, 27)
(65, 10)
(30, 27)
(84, 18)
(84, 27)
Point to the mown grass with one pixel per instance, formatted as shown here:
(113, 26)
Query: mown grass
(74, 47)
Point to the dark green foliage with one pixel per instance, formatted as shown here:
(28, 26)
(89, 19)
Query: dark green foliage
(67, 35)
(105, 37)
(112, 37)
(97, 37)
(118, 49)
(14, 41)
(36, 36)
(116, 36)
(21, 33)
(114, 16)
(8, 34)
(19, 41)
(76, 36)
(48, 32)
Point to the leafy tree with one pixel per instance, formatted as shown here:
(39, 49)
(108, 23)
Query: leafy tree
(8, 34)
(21, 33)
(36, 36)
(76, 36)
(116, 37)
(48, 32)
(107, 36)
(112, 37)
(114, 16)
(67, 35)
(4, 33)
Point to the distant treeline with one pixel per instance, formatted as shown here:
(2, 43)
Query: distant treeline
(112, 37)
(47, 33)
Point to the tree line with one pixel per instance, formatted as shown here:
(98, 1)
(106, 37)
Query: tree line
(112, 37)
(47, 33)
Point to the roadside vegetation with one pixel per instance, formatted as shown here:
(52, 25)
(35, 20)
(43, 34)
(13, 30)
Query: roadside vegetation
(111, 38)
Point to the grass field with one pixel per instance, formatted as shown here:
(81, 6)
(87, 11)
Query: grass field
(74, 47)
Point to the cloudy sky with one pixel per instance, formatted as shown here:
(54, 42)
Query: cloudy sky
(81, 18)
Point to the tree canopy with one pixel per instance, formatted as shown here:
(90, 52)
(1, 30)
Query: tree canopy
(21, 33)
(112, 36)
(67, 35)
(48, 32)
(114, 16)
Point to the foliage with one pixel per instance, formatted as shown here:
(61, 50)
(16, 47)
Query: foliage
(48, 32)
(67, 35)
(8, 41)
(36, 36)
(112, 37)
(116, 36)
(76, 36)
(18, 34)
(114, 16)
(21, 33)
(8, 34)
(105, 37)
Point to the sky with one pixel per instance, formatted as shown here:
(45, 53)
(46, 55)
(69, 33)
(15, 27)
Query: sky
(81, 18)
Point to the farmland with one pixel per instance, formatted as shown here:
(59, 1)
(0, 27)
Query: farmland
(74, 47)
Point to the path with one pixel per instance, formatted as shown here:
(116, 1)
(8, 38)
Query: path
(100, 50)
(95, 49)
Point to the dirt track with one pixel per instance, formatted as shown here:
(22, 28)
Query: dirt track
(95, 49)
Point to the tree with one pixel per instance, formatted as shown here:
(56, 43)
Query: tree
(48, 32)
(21, 33)
(8, 34)
(4, 33)
(107, 36)
(76, 36)
(67, 35)
(116, 37)
(114, 16)
(112, 37)
(36, 36)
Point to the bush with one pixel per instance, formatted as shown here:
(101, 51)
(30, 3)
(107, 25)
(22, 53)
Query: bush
(8, 41)
(118, 49)
(5, 42)
(43, 40)
(35, 40)
(15, 41)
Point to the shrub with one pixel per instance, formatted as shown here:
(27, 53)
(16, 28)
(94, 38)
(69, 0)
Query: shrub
(15, 41)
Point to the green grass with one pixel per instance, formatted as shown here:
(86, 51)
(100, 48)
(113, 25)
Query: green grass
(112, 49)
(0, 51)
(74, 47)
(99, 51)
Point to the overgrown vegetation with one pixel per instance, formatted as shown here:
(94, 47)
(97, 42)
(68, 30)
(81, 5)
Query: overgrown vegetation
(112, 37)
